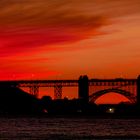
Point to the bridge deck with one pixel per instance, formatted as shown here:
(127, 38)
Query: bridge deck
(67, 83)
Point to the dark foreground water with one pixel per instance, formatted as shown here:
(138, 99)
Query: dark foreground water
(68, 128)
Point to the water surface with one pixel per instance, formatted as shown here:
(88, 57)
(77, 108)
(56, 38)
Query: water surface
(44, 128)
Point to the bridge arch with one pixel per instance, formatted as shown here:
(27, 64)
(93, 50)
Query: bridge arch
(94, 96)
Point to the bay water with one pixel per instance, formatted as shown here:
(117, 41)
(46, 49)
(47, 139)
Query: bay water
(68, 128)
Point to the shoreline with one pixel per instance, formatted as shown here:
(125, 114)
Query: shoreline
(79, 116)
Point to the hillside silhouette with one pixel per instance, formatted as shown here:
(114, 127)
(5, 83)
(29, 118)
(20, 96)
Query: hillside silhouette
(15, 101)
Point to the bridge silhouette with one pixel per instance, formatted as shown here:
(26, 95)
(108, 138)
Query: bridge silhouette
(88, 89)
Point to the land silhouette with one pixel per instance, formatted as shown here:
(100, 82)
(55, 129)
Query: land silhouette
(14, 101)
(77, 106)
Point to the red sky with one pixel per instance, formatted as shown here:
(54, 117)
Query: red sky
(42, 39)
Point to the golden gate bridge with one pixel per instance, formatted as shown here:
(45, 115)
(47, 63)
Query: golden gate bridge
(88, 89)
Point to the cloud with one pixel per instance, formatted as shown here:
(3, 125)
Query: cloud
(31, 31)
(26, 25)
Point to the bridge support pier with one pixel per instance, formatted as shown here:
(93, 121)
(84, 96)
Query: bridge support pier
(83, 87)
(34, 90)
(138, 90)
(58, 91)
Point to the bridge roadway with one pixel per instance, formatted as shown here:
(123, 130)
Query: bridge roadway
(68, 83)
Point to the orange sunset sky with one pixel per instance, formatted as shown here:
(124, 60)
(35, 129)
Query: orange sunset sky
(52, 39)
